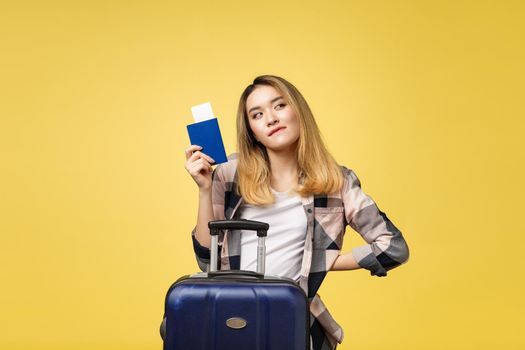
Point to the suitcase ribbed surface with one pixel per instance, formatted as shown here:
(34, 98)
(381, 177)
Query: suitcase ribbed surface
(264, 314)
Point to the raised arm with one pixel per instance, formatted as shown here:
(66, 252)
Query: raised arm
(198, 165)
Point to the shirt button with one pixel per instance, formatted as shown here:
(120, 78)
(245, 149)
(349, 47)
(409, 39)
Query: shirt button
(309, 210)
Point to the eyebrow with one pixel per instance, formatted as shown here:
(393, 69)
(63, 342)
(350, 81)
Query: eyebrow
(272, 101)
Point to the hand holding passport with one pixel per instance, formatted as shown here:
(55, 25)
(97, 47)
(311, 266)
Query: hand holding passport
(205, 132)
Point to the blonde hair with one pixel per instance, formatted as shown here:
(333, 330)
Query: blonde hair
(319, 172)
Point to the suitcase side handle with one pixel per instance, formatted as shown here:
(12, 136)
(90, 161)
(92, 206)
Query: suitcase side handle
(239, 224)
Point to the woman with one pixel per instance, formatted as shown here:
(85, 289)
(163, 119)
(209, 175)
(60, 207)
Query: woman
(284, 175)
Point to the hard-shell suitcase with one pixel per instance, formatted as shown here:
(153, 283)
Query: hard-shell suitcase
(235, 309)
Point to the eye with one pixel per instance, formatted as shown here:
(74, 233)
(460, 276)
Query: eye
(256, 115)
(281, 105)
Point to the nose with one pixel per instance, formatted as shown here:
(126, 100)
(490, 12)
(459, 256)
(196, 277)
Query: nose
(272, 119)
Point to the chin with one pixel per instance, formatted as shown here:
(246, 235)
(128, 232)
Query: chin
(281, 146)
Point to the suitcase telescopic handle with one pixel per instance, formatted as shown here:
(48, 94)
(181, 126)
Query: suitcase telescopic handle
(239, 224)
(260, 227)
(233, 274)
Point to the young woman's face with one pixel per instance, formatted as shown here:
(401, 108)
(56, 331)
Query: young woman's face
(271, 119)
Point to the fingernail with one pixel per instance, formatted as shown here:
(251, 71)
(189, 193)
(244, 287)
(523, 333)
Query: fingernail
(212, 160)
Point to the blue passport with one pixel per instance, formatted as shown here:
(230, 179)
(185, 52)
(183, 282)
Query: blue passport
(208, 135)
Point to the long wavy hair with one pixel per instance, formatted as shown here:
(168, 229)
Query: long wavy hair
(318, 171)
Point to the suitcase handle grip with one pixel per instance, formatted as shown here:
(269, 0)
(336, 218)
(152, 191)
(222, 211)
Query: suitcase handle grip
(260, 227)
(239, 224)
(235, 274)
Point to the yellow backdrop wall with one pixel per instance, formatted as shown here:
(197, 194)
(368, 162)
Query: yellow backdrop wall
(423, 99)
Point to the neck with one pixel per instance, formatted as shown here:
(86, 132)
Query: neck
(283, 163)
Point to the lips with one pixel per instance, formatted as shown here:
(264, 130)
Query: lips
(275, 130)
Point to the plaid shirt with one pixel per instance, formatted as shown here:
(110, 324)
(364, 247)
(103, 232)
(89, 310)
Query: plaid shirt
(327, 218)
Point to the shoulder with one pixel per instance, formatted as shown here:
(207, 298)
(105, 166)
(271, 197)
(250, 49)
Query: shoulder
(350, 179)
(226, 171)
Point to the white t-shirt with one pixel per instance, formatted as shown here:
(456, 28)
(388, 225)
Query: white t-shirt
(286, 235)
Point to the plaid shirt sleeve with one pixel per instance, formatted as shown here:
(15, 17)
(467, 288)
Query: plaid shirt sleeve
(386, 248)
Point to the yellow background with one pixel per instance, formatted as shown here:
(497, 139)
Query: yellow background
(423, 99)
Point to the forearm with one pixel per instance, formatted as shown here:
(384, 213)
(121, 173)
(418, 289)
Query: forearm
(204, 215)
(345, 262)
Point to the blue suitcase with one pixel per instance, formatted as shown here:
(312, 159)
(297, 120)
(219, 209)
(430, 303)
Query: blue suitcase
(235, 309)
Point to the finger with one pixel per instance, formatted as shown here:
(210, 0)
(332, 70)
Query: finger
(188, 151)
(192, 161)
(197, 163)
(199, 169)
(204, 155)
(194, 171)
(198, 154)
(202, 164)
